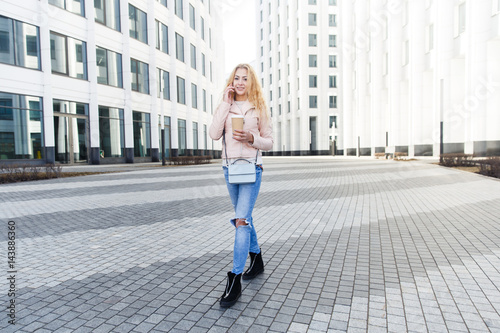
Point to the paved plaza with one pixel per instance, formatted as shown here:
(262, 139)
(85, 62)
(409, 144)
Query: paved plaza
(350, 245)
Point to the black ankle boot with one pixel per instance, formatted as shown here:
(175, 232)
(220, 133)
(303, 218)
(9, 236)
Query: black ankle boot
(233, 290)
(256, 266)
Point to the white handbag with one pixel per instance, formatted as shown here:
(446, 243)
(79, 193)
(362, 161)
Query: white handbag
(240, 173)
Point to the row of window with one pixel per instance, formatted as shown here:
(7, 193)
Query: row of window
(313, 81)
(313, 104)
(313, 40)
(19, 45)
(22, 130)
(311, 2)
(107, 12)
(332, 22)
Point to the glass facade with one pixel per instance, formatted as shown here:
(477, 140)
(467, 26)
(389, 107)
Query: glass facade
(164, 84)
(193, 56)
(111, 132)
(194, 96)
(71, 131)
(138, 24)
(19, 43)
(21, 127)
(140, 76)
(179, 47)
(107, 12)
(109, 67)
(181, 130)
(179, 10)
(161, 37)
(181, 90)
(142, 134)
(168, 141)
(195, 135)
(192, 17)
(68, 56)
(74, 6)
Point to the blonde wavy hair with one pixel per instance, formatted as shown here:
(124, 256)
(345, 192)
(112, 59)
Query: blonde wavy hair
(255, 95)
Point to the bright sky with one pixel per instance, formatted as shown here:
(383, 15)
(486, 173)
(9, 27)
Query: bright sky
(239, 32)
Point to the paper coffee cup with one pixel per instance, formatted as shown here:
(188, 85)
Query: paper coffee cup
(237, 122)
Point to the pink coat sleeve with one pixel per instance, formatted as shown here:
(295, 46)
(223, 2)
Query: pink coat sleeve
(263, 138)
(219, 121)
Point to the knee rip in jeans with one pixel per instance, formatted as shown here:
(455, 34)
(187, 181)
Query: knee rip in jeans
(241, 223)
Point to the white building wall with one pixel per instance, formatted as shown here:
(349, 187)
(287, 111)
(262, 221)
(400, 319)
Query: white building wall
(437, 61)
(283, 53)
(43, 83)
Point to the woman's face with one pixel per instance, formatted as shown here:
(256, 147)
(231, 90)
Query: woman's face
(240, 83)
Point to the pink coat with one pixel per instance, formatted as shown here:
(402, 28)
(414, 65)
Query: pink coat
(262, 132)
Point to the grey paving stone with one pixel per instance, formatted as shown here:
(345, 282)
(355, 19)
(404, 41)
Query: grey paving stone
(377, 245)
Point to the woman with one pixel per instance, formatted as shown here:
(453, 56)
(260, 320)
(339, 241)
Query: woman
(243, 96)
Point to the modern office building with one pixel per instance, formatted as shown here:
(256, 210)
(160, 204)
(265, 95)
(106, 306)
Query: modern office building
(102, 81)
(421, 77)
(298, 61)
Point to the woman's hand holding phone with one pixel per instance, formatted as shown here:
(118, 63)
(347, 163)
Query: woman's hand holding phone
(229, 94)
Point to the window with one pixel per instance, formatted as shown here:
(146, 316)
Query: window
(161, 37)
(312, 19)
(181, 90)
(312, 2)
(332, 2)
(74, 6)
(109, 67)
(430, 37)
(332, 20)
(19, 43)
(332, 102)
(204, 100)
(142, 134)
(164, 84)
(140, 76)
(21, 128)
(313, 102)
(111, 132)
(194, 96)
(107, 12)
(313, 81)
(193, 56)
(138, 24)
(181, 130)
(332, 81)
(205, 135)
(68, 56)
(203, 65)
(178, 9)
(195, 135)
(192, 17)
(461, 18)
(202, 21)
(313, 41)
(333, 121)
(332, 40)
(163, 2)
(179, 49)
(313, 60)
(332, 61)
(406, 52)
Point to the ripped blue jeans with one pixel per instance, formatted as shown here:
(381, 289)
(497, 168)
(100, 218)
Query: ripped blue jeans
(243, 198)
